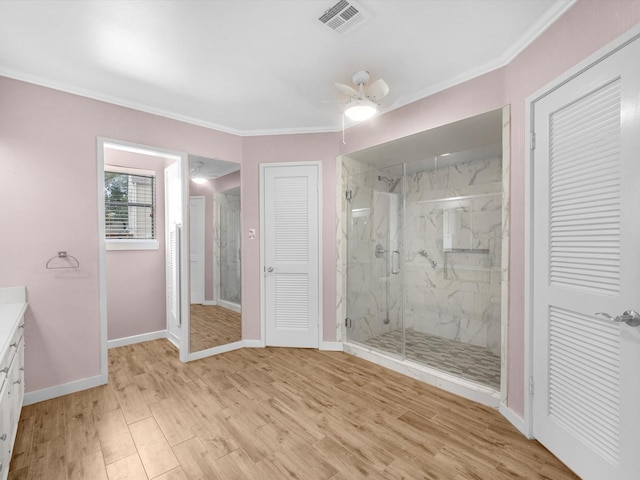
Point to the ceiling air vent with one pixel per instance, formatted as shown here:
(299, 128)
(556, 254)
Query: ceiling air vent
(344, 16)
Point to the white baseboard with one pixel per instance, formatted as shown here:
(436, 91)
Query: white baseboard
(143, 337)
(331, 346)
(229, 347)
(64, 389)
(230, 305)
(253, 344)
(210, 303)
(515, 420)
(175, 341)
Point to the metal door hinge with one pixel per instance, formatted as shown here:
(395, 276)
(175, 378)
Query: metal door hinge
(533, 140)
(348, 195)
(348, 323)
(530, 385)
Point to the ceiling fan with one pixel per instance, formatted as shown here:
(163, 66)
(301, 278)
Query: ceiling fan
(363, 102)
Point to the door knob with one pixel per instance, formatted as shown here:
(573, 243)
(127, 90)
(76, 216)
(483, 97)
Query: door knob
(269, 269)
(630, 317)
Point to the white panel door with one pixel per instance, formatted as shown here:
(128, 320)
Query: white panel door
(291, 243)
(586, 233)
(196, 248)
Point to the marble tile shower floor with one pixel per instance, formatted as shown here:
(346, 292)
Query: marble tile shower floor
(471, 362)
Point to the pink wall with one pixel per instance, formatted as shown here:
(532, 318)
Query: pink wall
(48, 151)
(221, 184)
(584, 29)
(207, 190)
(136, 301)
(48, 161)
(322, 147)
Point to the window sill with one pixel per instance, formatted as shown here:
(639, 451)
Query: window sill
(132, 245)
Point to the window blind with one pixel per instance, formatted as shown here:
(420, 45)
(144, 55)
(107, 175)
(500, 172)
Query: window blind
(129, 205)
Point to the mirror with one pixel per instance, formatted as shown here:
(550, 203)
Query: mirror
(215, 256)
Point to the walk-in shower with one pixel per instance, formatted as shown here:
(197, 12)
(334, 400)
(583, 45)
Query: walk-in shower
(423, 265)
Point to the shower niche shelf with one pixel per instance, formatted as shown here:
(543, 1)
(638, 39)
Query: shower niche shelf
(484, 251)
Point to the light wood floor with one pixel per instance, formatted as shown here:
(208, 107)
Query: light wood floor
(268, 414)
(212, 325)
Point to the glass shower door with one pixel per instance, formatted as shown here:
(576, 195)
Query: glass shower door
(374, 260)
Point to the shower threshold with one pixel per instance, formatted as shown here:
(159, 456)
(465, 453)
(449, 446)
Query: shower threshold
(467, 370)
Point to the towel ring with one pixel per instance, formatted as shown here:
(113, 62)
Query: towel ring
(72, 262)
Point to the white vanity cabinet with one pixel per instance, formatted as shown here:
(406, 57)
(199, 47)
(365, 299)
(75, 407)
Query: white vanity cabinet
(12, 307)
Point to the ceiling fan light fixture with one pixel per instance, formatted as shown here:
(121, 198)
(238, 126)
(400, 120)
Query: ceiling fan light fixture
(197, 176)
(360, 109)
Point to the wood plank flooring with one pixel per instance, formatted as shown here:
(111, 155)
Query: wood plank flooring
(268, 414)
(212, 325)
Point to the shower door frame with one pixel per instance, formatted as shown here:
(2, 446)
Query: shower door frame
(385, 250)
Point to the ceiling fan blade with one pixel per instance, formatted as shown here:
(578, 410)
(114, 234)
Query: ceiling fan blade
(377, 89)
(346, 89)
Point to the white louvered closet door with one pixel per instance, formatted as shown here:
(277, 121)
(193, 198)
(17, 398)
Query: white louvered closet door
(586, 237)
(291, 243)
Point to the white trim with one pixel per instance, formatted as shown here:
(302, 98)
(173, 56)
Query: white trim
(110, 167)
(538, 28)
(74, 90)
(253, 344)
(175, 341)
(555, 12)
(127, 244)
(143, 337)
(331, 346)
(514, 419)
(202, 233)
(451, 383)
(210, 303)
(234, 307)
(263, 326)
(181, 158)
(63, 389)
(229, 347)
(263, 167)
(319, 187)
(102, 264)
(602, 53)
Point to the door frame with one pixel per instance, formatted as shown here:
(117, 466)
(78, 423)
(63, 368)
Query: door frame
(201, 233)
(263, 326)
(183, 167)
(529, 215)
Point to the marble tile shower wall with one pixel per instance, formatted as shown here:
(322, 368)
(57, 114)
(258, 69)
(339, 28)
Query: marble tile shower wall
(453, 249)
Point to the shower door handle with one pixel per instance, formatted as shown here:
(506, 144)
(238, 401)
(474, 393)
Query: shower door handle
(393, 255)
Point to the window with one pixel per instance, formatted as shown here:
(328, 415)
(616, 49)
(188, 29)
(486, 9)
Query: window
(130, 208)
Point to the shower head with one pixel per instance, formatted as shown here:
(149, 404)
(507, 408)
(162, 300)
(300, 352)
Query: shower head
(391, 182)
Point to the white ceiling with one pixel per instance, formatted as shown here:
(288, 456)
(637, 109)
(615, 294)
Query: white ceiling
(255, 67)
